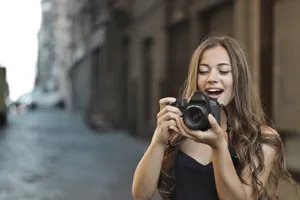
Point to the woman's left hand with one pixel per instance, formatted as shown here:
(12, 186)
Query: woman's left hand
(213, 137)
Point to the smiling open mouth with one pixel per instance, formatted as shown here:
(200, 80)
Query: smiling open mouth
(214, 92)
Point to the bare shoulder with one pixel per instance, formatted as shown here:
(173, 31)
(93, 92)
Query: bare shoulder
(269, 150)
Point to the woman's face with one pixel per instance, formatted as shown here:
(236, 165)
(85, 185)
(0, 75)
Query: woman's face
(215, 74)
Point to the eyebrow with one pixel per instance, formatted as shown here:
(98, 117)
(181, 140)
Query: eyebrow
(219, 64)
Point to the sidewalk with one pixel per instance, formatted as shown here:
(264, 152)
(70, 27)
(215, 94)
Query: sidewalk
(53, 156)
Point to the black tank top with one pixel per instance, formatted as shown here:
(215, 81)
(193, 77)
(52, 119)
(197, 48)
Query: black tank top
(194, 180)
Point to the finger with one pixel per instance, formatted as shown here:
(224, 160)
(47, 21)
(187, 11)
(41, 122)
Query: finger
(166, 101)
(181, 129)
(214, 124)
(169, 108)
(175, 129)
(167, 124)
(173, 109)
(193, 133)
(168, 116)
(171, 122)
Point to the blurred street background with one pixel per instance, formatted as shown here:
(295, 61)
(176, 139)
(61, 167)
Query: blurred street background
(80, 82)
(53, 156)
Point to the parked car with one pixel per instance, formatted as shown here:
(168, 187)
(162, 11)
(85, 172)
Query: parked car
(48, 99)
(39, 99)
(24, 102)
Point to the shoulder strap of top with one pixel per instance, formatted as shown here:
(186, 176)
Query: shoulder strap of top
(228, 129)
(230, 146)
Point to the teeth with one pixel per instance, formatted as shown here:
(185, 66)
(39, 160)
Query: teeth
(214, 90)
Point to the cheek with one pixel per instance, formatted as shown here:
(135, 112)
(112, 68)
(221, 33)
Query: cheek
(201, 82)
(229, 86)
(228, 81)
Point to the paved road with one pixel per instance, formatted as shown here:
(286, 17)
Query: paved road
(52, 156)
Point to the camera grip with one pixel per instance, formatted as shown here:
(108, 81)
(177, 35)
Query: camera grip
(216, 112)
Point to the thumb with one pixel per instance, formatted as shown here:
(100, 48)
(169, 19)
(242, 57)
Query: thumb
(214, 124)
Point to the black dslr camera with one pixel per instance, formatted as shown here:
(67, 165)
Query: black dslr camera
(195, 112)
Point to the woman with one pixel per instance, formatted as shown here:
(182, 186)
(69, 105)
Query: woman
(243, 161)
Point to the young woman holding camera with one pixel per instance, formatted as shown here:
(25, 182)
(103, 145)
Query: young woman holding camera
(240, 158)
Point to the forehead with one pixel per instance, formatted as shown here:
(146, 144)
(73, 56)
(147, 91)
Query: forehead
(215, 55)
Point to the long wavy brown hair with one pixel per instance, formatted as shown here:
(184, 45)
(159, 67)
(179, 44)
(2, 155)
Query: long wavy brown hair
(246, 117)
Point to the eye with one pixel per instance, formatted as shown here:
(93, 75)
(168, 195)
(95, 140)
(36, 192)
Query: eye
(203, 72)
(224, 72)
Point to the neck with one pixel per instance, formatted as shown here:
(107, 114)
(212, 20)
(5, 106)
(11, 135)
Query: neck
(223, 119)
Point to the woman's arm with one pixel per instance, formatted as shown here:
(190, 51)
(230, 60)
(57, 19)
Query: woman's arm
(229, 186)
(147, 172)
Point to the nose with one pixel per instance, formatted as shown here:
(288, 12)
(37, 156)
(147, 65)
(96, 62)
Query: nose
(213, 76)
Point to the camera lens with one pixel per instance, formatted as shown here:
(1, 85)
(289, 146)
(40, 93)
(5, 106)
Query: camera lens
(195, 117)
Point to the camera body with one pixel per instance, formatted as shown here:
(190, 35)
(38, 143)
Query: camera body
(196, 111)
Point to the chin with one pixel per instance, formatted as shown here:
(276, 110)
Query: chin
(225, 99)
(223, 102)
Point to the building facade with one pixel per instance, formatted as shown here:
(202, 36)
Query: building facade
(121, 56)
(155, 47)
(54, 53)
(70, 34)
(46, 52)
(89, 19)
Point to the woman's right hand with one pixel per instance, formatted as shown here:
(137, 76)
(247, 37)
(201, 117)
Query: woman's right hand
(166, 119)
